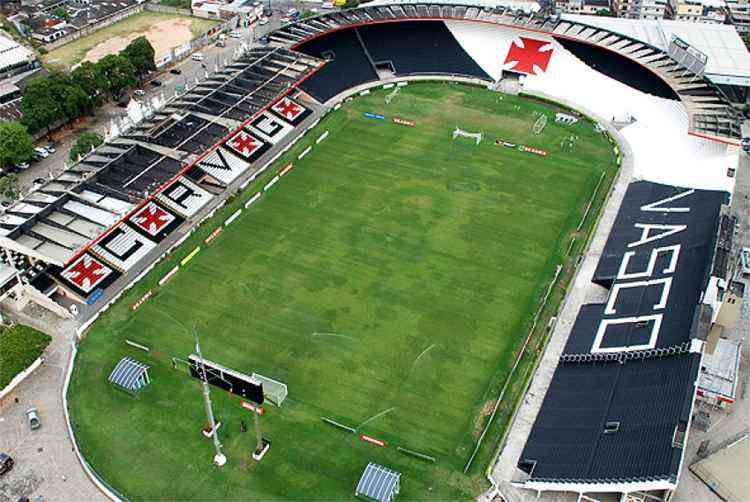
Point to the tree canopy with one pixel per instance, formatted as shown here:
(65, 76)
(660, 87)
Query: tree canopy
(16, 144)
(141, 54)
(85, 142)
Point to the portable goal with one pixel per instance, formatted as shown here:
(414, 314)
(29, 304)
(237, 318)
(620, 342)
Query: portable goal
(273, 390)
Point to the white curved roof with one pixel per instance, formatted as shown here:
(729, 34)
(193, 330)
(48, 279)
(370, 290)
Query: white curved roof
(728, 58)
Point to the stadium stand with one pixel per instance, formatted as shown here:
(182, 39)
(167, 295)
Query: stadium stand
(418, 47)
(708, 110)
(617, 412)
(97, 219)
(347, 66)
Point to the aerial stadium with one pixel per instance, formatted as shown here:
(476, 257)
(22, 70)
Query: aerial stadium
(399, 218)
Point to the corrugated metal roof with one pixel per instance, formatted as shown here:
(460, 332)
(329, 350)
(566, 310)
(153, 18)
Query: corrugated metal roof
(127, 373)
(728, 58)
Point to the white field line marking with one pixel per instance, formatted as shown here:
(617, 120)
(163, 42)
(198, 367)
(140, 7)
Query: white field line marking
(376, 416)
(425, 351)
(334, 335)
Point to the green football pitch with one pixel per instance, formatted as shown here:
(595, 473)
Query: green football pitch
(389, 280)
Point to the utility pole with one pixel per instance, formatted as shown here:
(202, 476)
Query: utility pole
(219, 459)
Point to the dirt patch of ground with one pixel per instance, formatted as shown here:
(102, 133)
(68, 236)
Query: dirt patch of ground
(163, 35)
(485, 412)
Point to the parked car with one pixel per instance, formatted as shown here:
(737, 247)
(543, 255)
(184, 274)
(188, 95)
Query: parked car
(6, 463)
(262, 21)
(285, 19)
(21, 166)
(235, 34)
(264, 40)
(139, 92)
(327, 5)
(220, 43)
(41, 152)
(40, 181)
(175, 71)
(156, 83)
(50, 147)
(198, 56)
(33, 417)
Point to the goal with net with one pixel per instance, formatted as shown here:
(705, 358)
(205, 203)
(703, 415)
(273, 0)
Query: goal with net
(476, 136)
(273, 390)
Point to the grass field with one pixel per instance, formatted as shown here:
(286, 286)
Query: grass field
(164, 31)
(389, 280)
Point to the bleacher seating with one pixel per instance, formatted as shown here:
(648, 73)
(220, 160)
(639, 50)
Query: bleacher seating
(349, 66)
(419, 47)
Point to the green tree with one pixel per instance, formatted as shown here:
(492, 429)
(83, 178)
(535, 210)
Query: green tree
(141, 55)
(75, 102)
(9, 186)
(88, 77)
(16, 144)
(84, 144)
(40, 105)
(117, 73)
(61, 13)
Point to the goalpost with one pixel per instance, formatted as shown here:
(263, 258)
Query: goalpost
(540, 124)
(389, 97)
(273, 390)
(476, 136)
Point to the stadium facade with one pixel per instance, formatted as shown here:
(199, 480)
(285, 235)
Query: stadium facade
(617, 413)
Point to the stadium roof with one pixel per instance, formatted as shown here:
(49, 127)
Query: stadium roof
(12, 53)
(378, 483)
(728, 58)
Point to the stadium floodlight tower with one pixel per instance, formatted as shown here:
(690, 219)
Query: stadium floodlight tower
(219, 458)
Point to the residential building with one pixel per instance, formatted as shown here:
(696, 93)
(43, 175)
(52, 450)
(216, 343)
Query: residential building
(640, 9)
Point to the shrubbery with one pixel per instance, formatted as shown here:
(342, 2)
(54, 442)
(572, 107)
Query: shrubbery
(19, 347)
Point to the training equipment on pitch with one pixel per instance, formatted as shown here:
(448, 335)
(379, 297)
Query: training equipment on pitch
(224, 378)
(274, 390)
(476, 136)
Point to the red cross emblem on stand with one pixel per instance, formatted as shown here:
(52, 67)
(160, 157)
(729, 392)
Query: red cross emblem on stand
(244, 144)
(86, 273)
(288, 109)
(152, 218)
(529, 56)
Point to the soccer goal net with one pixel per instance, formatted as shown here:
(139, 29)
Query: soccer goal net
(389, 97)
(273, 390)
(540, 124)
(476, 136)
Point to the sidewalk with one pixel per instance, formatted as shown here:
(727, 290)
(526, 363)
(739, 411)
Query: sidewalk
(46, 465)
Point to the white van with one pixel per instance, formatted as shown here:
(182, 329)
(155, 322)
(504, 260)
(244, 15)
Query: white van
(198, 56)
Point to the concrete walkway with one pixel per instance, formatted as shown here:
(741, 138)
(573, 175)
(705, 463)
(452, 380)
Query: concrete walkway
(46, 464)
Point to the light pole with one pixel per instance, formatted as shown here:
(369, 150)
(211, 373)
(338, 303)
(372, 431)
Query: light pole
(219, 459)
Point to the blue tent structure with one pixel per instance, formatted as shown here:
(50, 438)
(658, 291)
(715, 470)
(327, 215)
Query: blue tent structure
(130, 375)
(378, 483)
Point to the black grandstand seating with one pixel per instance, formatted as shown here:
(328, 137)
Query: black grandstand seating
(644, 384)
(415, 47)
(620, 68)
(348, 68)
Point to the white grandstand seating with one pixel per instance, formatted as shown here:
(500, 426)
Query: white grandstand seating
(663, 151)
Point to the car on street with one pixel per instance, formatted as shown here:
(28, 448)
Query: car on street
(745, 261)
(33, 418)
(6, 463)
(175, 71)
(41, 152)
(327, 5)
(40, 181)
(220, 43)
(50, 147)
(139, 92)
(235, 34)
(156, 83)
(285, 19)
(198, 56)
(22, 166)
(262, 21)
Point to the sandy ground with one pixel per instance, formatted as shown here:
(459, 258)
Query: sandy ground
(163, 35)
